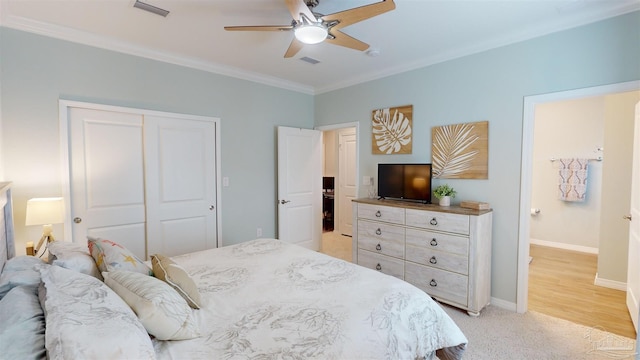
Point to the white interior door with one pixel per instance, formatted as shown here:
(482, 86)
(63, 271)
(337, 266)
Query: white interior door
(107, 180)
(347, 178)
(633, 272)
(180, 169)
(300, 186)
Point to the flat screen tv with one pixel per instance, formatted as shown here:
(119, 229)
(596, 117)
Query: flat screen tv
(405, 181)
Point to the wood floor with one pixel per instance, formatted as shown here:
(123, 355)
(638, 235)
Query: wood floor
(337, 245)
(561, 285)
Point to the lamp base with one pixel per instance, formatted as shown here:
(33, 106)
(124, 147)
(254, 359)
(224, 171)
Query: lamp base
(30, 249)
(45, 237)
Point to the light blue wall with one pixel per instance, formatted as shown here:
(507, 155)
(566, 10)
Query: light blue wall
(36, 71)
(491, 86)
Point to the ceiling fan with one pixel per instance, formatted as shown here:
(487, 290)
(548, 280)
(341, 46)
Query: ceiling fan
(314, 28)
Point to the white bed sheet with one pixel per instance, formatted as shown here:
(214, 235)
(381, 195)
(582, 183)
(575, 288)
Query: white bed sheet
(265, 299)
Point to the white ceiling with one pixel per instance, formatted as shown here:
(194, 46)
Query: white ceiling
(417, 33)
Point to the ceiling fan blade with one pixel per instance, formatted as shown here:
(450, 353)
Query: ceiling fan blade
(345, 40)
(297, 7)
(294, 47)
(259, 28)
(358, 14)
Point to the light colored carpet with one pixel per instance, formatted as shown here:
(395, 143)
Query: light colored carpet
(501, 334)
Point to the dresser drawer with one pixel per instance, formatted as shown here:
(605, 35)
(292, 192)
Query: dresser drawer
(381, 213)
(433, 220)
(438, 283)
(438, 259)
(385, 264)
(381, 238)
(438, 241)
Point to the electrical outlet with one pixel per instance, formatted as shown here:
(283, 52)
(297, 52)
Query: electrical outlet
(259, 232)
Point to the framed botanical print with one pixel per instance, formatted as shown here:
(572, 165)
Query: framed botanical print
(460, 151)
(391, 130)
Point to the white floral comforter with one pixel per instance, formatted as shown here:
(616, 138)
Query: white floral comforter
(265, 299)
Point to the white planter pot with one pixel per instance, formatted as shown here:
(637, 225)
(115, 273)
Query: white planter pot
(445, 201)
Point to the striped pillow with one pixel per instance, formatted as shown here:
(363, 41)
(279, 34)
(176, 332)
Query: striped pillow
(175, 275)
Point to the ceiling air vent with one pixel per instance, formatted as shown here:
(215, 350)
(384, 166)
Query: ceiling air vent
(311, 61)
(150, 8)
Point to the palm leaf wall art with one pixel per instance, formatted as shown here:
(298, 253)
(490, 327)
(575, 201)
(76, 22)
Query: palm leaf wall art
(391, 130)
(460, 151)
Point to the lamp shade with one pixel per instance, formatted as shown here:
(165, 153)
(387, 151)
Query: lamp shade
(44, 211)
(311, 34)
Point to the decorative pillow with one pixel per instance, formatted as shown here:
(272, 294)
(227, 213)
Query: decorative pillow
(87, 320)
(73, 256)
(22, 330)
(162, 311)
(110, 256)
(177, 277)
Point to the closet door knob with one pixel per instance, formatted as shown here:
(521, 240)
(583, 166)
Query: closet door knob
(77, 220)
(626, 217)
(211, 207)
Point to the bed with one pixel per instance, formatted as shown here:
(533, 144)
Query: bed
(262, 299)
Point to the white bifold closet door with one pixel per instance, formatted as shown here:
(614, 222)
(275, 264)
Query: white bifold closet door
(145, 181)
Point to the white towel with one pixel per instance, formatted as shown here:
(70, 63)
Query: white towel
(572, 179)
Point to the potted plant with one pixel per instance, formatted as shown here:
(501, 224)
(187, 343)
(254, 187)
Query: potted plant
(444, 193)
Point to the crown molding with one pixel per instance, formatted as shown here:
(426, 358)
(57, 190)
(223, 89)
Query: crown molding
(506, 39)
(108, 43)
(77, 36)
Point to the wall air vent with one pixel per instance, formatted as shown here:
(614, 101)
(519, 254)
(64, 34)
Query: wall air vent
(150, 8)
(311, 61)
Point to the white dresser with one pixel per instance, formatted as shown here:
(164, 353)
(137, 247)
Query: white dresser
(445, 251)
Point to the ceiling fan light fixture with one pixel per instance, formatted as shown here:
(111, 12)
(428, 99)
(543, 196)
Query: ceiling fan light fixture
(311, 34)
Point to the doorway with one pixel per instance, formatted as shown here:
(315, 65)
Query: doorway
(340, 173)
(533, 107)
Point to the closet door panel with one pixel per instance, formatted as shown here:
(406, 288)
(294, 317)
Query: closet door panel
(106, 166)
(184, 235)
(181, 183)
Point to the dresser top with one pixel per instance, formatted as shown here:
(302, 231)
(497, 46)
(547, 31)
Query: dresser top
(420, 206)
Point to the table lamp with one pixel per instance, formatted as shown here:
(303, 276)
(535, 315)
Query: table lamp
(45, 212)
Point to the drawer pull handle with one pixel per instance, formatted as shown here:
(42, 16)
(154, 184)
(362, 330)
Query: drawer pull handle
(378, 232)
(378, 247)
(378, 213)
(433, 283)
(434, 242)
(433, 222)
(433, 260)
(378, 267)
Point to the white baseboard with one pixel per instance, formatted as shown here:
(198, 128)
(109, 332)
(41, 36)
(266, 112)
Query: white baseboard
(579, 248)
(611, 284)
(503, 304)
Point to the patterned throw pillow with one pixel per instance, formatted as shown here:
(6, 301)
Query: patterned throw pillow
(164, 313)
(177, 277)
(110, 256)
